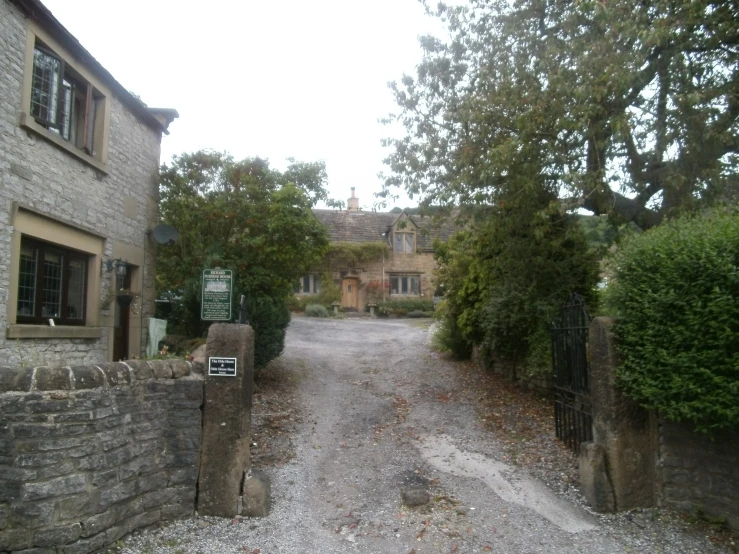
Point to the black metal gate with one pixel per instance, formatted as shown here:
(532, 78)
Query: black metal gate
(572, 415)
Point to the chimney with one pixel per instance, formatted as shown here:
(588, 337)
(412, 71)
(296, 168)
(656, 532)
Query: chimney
(353, 203)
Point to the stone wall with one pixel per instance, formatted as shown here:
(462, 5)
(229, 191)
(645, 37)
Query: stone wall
(638, 459)
(697, 472)
(37, 175)
(91, 453)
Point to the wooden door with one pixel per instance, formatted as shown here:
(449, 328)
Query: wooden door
(350, 293)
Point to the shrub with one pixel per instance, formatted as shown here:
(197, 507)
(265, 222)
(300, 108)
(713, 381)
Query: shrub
(269, 317)
(675, 294)
(316, 310)
(418, 313)
(405, 306)
(448, 337)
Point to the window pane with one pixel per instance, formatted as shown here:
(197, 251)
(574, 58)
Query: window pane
(52, 284)
(414, 285)
(306, 284)
(404, 285)
(316, 284)
(296, 288)
(45, 87)
(27, 280)
(398, 242)
(66, 111)
(76, 289)
(408, 242)
(393, 285)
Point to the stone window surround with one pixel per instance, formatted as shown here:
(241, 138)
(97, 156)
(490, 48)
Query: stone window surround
(28, 223)
(406, 275)
(315, 278)
(102, 124)
(413, 241)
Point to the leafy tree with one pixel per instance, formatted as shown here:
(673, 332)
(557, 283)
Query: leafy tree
(625, 108)
(506, 276)
(243, 216)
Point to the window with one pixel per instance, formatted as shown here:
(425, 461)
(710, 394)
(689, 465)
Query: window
(62, 101)
(405, 284)
(404, 243)
(309, 284)
(52, 284)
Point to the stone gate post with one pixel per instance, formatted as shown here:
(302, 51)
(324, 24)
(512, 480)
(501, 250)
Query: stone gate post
(229, 384)
(617, 469)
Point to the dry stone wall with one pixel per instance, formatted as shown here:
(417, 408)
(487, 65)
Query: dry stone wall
(91, 453)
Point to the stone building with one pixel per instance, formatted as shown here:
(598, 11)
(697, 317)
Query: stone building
(79, 158)
(404, 271)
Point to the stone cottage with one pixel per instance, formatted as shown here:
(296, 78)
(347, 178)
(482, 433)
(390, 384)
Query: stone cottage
(79, 158)
(404, 271)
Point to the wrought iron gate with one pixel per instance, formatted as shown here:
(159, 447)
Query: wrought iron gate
(572, 414)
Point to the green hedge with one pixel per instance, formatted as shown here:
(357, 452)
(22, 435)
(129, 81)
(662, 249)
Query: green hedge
(676, 298)
(403, 307)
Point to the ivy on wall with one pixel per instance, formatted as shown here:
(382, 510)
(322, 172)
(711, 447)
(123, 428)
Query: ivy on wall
(351, 253)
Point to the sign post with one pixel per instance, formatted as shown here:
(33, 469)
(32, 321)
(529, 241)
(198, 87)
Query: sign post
(217, 289)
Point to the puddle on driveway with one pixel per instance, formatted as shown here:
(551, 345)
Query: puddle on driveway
(528, 493)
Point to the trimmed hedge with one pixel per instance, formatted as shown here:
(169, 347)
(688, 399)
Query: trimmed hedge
(403, 307)
(676, 298)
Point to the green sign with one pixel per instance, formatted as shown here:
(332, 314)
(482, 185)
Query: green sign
(217, 287)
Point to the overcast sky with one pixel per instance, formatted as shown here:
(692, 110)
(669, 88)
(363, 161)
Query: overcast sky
(270, 78)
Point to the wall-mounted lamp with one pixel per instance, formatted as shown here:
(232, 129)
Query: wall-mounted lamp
(121, 268)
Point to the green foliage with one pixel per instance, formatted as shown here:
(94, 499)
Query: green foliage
(352, 253)
(269, 317)
(242, 216)
(675, 294)
(403, 307)
(316, 310)
(627, 109)
(448, 337)
(506, 277)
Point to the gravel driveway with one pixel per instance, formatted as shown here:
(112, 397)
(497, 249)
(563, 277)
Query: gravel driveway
(375, 411)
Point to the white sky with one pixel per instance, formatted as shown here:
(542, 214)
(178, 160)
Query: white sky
(273, 78)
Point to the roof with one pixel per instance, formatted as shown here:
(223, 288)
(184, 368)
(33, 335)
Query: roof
(158, 118)
(346, 226)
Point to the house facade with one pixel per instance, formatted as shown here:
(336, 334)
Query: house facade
(79, 158)
(403, 271)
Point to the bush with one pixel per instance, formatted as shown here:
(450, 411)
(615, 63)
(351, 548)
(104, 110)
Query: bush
(404, 306)
(449, 338)
(269, 317)
(316, 310)
(675, 296)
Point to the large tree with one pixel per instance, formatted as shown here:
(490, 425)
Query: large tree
(627, 108)
(244, 216)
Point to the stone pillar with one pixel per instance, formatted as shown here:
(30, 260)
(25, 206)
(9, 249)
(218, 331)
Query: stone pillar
(224, 455)
(618, 469)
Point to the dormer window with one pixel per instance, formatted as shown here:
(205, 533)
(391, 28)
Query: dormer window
(404, 243)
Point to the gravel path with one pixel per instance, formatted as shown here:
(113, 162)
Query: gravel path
(369, 409)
